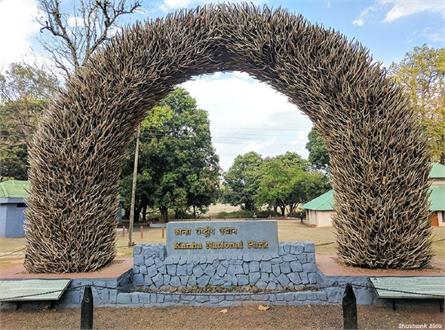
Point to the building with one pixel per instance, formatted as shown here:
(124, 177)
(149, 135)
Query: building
(12, 206)
(320, 210)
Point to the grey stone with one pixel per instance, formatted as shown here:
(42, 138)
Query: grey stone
(221, 270)
(271, 286)
(189, 269)
(302, 257)
(138, 260)
(191, 282)
(295, 278)
(149, 261)
(309, 267)
(242, 279)
(167, 279)
(296, 248)
(247, 257)
(184, 280)
(181, 270)
(147, 281)
(162, 269)
(246, 268)
(123, 298)
(137, 249)
(296, 266)
(312, 277)
(309, 247)
(289, 257)
(143, 270)
(304, 278)
(203, 281)
(136, 269)
(216, 281)
(225, 263)
(266, 266)
(285, 267)
(138, 279)
(182, 260)
(235, 269)
(261, 285)
(265, 277)
(158, 262)
(283, 279)
(197, 271)
(254, 266)
(310, 257)
(152, 270)
(254, 277)
(276, 270)
(210, 270)
(158, 280)
(171, 269)
(175, 281)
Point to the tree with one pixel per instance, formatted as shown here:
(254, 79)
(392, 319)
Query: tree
(74, 37)
(178, 167)
(24, 94)
(242, 181)
(284, 182)
(421, 74)
(318, 153)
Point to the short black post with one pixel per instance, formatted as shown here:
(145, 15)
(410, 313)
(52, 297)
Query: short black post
(349, 308)
(86, 309)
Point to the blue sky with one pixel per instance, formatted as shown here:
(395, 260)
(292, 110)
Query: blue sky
(246, 114)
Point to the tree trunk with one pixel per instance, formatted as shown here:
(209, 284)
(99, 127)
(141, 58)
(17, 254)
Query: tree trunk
(164, 214)
(283, 210)
(194, 211)
(144, 213)
(275, 208)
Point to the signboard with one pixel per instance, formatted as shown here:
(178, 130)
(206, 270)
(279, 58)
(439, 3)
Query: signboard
(191, 238)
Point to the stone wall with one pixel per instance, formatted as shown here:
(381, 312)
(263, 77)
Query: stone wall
(293, 266)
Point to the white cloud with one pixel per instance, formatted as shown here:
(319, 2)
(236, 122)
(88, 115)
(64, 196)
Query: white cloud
(395, 9)
(17, 26)
(247, 115)
(168, 5)
(435, 36)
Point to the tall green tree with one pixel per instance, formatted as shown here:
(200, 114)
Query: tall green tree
(24, 93)
(285, 182)
(318, 153)
(421, 74)
(242, 181)
(178, 167)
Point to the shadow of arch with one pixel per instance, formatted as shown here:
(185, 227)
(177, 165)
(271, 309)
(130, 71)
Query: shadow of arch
(379, 159)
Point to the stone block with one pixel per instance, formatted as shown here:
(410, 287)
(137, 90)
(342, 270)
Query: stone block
(149, 261)
(147, 281)
(175, 281)
(138, 259)
(171, 269)
(247, 257)
(283, 279)
(296, 248)
(254, 266)
(221, 270)
(123, 298)
(191, 282)
(246, 268)
(254, 277)
(312, 277)
(181, 270)
(302, 257)
(184, 280)
(158, 262)
(264, 277)
(143, 270)
(285, 267)
(216, 281)
(322, 296)
(296, 266)
(271, 286)
(189, 269)
(304, 278)
(309, 267)
(158, 280)
(276, 270)
(162, 269)
(203, 280)
(137, 249)
(182, 260)
(242, 279)
(167, 279)
(152, 270)
(210, 270)
(310, 257)
(309, 247)
(235, 269)
(289, 257)
(294, 278)
(197, 271)
(138, 279)
(266, 266)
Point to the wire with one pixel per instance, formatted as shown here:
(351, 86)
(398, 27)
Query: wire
(9, 253)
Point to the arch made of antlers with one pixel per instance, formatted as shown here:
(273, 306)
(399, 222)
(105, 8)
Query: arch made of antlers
(379, 159)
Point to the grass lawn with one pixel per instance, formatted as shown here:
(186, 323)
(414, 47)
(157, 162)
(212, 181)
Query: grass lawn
(288, 230)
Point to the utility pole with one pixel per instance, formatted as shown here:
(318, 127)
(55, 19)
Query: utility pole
(133, 188)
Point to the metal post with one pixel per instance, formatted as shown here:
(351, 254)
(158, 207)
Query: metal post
(349, 308)
(142, 231)
(133, 188)
(86, 309)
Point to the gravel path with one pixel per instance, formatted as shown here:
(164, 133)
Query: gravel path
(245, 317)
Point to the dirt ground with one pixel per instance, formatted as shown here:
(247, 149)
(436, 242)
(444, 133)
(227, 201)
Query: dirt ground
(423, 316)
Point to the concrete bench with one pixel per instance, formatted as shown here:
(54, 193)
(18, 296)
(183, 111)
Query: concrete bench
(32, 290)
(412, 287)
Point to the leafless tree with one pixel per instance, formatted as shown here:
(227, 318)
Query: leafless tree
(74, 37)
